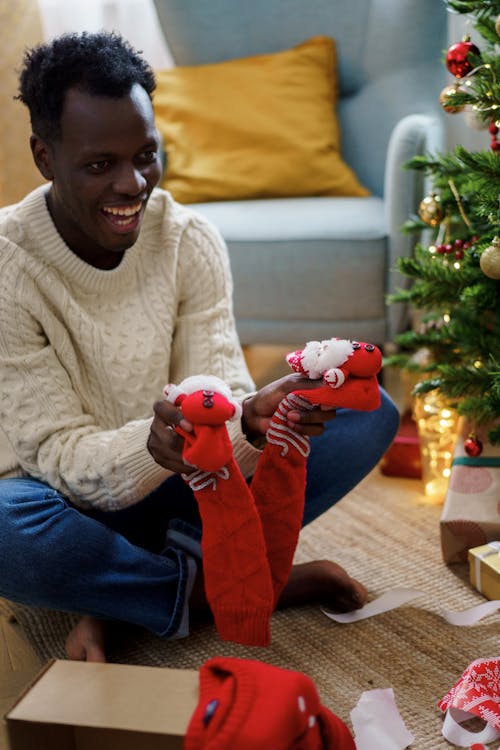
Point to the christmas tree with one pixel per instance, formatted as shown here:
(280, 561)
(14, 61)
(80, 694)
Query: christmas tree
(455, 271)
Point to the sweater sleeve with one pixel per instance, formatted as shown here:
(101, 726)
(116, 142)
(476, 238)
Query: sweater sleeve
(206, 340)
(53, 436)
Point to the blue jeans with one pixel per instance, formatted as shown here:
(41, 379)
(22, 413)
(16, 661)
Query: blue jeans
(138, 564)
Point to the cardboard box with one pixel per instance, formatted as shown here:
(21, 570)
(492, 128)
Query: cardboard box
(484, 569)
(85, 706)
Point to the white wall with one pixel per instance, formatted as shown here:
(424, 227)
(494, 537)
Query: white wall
(136, 20)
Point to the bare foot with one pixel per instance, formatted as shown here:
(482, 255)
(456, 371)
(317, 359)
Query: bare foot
(322, 582)
(86, 640)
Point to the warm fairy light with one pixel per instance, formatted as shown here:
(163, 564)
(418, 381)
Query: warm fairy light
(446, 318)
(478, 364)
(432, 249)
(437, 425)
(456, 265)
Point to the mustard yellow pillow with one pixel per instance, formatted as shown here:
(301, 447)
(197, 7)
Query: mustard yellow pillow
(254, 127)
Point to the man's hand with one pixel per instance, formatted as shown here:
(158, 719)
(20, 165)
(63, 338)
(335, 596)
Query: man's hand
(164, 444)
(258, 409)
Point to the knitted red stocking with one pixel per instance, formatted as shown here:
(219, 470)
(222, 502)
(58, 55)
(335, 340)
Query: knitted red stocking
(237, 577)
(278, 488)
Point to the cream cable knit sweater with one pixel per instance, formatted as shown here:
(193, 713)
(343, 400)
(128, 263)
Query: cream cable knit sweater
(84, 353)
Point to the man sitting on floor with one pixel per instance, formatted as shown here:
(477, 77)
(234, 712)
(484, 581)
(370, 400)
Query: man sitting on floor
(110, 289)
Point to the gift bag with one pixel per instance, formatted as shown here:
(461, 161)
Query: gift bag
(471, 512)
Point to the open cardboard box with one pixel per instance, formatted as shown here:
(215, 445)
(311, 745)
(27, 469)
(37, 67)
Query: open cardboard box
(84, 706)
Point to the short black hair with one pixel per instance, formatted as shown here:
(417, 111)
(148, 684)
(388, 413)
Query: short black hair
(101, 64)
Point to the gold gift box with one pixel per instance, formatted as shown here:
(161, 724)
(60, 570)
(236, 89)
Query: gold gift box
(484, 569)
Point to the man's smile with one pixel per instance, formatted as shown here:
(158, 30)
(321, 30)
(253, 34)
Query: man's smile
(123, 217)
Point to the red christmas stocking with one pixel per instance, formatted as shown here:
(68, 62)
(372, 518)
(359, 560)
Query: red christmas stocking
(278, 488)
(349, 372)
(237, 578)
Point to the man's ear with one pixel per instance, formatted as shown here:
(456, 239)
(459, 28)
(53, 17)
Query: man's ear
(42, 156)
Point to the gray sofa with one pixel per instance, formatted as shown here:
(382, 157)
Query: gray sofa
(310, 268)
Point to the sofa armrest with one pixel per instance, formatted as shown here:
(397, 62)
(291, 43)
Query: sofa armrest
(414, 135)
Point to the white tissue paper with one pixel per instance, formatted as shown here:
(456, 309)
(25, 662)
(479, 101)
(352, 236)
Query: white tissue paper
(377, 723)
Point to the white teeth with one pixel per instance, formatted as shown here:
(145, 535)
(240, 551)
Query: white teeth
(123, 211)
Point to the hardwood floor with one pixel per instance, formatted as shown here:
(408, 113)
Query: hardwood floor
(18, 662)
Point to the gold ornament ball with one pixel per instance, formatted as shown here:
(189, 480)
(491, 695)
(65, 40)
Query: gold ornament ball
(431, 211)
(490, 260)
(446, 97)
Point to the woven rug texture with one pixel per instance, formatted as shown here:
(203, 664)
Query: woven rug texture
(386, 540)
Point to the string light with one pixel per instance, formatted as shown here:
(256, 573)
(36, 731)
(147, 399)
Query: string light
(437, 425)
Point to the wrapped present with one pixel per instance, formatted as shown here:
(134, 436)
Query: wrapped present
(471, 512)
(403, 458)
(484, 569)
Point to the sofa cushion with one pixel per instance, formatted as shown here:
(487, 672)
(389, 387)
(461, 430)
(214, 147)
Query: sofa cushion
(260, 126)
(306, 268)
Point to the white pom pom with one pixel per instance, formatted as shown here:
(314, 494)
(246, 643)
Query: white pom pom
(333, 353)
(309, 359)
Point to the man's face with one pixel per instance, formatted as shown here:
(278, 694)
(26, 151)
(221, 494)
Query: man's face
(103, 169)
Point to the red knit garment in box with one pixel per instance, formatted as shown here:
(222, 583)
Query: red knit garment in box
(248, 705)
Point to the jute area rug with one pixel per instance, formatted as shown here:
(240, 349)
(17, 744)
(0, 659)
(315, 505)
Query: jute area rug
(387, 535)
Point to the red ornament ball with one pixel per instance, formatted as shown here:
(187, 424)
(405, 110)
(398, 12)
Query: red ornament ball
(457, 60)
(473, 446)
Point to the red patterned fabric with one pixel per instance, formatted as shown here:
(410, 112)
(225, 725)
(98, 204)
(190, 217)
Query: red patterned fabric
(477, 691)
(248, 705)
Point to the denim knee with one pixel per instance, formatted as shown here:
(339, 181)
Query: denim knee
(27, 508)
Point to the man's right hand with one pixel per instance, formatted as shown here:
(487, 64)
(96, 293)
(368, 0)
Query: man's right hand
(164, 443)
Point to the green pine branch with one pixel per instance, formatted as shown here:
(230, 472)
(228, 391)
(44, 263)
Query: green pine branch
(477, 7)
(456, 346)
